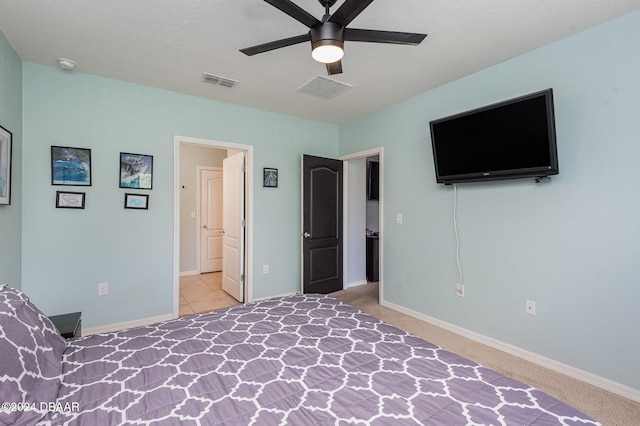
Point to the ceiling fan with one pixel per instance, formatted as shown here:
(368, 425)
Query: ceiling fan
(327, 37)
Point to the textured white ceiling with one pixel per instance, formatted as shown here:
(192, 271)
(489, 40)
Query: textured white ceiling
(168, 44)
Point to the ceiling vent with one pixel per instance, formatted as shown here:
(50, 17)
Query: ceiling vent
(220, 81)
(324, 87)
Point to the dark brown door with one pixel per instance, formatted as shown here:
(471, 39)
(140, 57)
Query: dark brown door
(322, 224)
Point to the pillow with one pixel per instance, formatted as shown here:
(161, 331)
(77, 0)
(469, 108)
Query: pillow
(31, 349)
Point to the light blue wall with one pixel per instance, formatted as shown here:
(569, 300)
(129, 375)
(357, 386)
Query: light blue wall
(11, 119)
(66, 253)
(571, 245)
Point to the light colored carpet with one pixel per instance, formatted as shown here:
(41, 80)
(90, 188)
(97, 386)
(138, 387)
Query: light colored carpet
(603, 406)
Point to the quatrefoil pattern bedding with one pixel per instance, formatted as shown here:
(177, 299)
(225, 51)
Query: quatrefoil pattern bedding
(30, 358)
(301, 360)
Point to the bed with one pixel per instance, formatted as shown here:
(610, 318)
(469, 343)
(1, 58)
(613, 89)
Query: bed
(299, 360)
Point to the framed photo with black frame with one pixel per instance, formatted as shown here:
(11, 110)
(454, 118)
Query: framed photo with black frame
(136, 171)
(5, 165)
(70, 200)
(136, 201)
(70, 166)
(269, 177)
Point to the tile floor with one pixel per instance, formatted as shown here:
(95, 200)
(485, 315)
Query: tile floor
(203, 293)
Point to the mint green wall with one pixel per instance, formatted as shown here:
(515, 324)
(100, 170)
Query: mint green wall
(11, 119)
(66, 253)
(571, 245)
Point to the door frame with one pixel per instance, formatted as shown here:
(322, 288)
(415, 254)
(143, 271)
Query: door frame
(248, 262)
(199, 170)
(358, 156)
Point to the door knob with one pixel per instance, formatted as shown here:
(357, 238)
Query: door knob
(204, 226)
(306, 235)
(221, 231)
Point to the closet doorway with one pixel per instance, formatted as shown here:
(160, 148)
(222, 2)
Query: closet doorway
(363, 224)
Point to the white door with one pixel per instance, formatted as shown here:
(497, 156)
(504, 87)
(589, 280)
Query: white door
(233, 226)
(210, 220)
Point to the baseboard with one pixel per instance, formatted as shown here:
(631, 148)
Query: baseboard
(188, 273)
(356, 283)
(124, 325)
(559, 367)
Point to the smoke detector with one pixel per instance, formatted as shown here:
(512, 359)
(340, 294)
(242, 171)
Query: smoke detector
(66, 64)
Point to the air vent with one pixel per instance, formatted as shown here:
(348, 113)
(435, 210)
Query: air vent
(324, 87)
(220, 81)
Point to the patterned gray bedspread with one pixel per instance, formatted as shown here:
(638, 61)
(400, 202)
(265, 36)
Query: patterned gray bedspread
(301, 360)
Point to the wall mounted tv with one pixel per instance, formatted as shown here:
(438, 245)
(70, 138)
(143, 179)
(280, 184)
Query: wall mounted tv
(512, 139)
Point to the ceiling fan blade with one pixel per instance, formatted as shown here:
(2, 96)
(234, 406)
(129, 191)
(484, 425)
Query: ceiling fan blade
(334, 68)
(348, 11)
(295, 11)
(272, 45)
(375, 36)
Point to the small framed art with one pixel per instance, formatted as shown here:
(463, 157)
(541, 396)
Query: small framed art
(270, 177)
(136, 201)
(136, 171)
(70, 200)
(5, 166)
(70, 166)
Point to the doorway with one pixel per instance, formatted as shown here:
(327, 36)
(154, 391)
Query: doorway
(353, 250)
(188, 261)
(363, 221)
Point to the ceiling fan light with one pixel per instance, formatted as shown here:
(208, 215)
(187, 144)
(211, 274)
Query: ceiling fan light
(327, 42)
(327, 53)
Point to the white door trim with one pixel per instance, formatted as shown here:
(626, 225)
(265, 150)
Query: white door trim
(177, 141)
(345, 231)
(199, 170)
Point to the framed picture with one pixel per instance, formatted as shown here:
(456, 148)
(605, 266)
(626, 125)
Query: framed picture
(270, 177)
(69, 200)
(5, 166)
(136, 171)
(136, 201)
(70, 166)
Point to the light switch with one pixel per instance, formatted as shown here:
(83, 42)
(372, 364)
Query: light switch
(399, 218)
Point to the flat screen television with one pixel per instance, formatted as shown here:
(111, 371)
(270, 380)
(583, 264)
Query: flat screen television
(512, 139)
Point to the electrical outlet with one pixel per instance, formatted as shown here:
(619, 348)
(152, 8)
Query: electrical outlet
(103, 289)
(530, 307)
(460, 290)
(265, 269)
